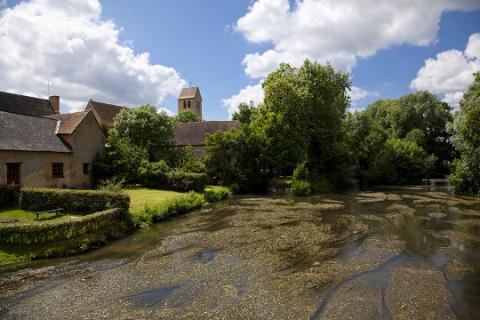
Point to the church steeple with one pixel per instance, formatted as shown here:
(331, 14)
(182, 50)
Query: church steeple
(190, 99)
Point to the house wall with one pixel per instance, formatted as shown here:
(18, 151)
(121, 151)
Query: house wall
(36, 167)
(87, 142)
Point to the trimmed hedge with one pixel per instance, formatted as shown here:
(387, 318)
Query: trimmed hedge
(75, 201)
(216, 193)
(35, 233)
(169, 208)
(8, 196)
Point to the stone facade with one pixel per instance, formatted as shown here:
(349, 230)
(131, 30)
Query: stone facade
(37, 143)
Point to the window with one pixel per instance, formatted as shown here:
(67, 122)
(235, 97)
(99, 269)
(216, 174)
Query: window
(57, 170)
(85, 168)
(184, 104)
(189, 104)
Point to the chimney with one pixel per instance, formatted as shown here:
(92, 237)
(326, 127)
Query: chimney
(55, 103)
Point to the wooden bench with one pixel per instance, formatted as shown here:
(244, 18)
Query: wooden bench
(49, 207)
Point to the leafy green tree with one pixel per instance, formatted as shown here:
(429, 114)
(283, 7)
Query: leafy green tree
(120, 160)
(399, 162)
(245, 114)
(187, 116)
(145, 128)
(466, 140)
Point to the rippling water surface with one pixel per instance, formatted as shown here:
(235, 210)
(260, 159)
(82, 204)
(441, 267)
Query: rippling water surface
(407, 253)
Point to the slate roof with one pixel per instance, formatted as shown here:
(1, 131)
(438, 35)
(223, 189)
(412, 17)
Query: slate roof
(189, 93)
(68, 122)
(194, 133)
(105, 111)
(16, 103)
(29, 133)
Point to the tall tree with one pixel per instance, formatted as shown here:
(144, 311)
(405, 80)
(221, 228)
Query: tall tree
(466, 140)
(144, 127)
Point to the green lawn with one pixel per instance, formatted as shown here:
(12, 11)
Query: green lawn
(22, 216)
(151, 197)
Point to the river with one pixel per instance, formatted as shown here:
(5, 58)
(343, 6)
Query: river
(391, 253)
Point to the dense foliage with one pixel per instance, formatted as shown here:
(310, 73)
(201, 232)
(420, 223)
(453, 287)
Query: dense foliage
(466, 139)
(300, 120)
(187, 116)
(400, 141)
(139, 150)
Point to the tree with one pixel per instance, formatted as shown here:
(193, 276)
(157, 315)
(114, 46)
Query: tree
(399, 162)
(466, 140)
(245, 114)
(187, 116)
(145, 128)
(300, 120)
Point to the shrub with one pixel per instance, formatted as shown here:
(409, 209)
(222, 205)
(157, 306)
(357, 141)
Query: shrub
(153, 174)
(301, 188)
(112, 185)
(170, 208)
(8, 196)
(186, 181)
(216, 193)
(75, 201)
(35, 233)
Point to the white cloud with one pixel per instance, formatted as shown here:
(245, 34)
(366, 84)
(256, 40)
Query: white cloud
(450, 72)
(69, 43)
(357, 94)
(248, 94)
(338, 31)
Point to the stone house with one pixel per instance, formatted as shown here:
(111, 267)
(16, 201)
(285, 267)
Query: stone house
(104, 112)
(41, 147)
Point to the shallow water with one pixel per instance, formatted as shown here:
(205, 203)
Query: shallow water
(408, 253)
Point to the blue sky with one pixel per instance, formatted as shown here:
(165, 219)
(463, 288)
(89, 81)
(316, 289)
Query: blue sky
(224, 46)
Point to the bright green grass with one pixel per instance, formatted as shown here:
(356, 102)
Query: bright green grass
(151, 197)
(22, 216)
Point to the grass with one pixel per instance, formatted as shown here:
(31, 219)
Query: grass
(151, 197)
(22, 216)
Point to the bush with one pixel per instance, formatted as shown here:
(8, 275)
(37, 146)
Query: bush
(112, 185)
(35, 233)
(75, 201)
(216, 193)
(169, 208)
(8, 196)
(153, 174)
(301, 188)
(186, 181)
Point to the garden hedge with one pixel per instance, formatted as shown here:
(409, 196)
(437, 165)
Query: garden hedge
(8, 196)
(43, 232)
(216, 193)
(74, 201)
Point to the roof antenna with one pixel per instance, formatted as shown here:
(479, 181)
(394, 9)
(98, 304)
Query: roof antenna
(48, 84)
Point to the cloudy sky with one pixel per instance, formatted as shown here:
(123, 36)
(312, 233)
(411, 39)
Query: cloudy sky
(145, 51)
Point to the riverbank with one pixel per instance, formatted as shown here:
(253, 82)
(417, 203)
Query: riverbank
(400, 253)
(146, 207)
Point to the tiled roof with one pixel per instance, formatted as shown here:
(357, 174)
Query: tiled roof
(68, 122)
(105, 111)
(194, 133)
(16, 103)
(189, 93)
(29, 133)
